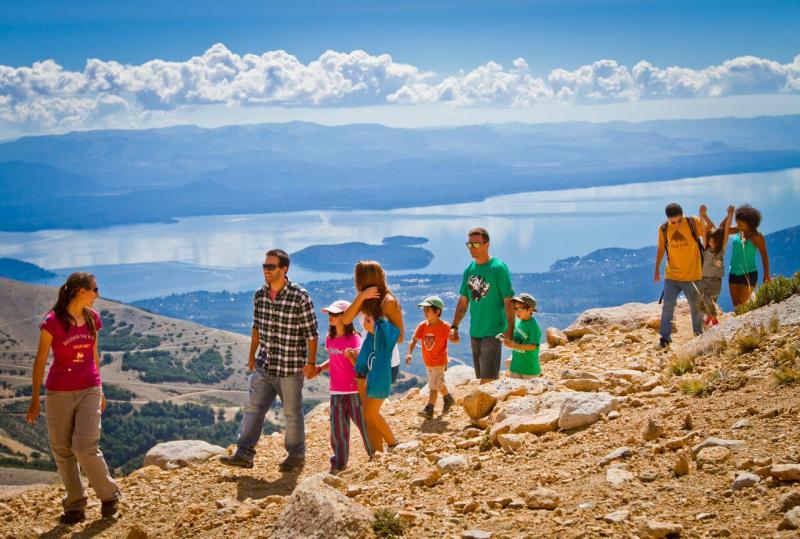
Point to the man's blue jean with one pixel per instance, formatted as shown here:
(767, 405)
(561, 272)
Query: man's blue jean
(263, 390)
(690, 289)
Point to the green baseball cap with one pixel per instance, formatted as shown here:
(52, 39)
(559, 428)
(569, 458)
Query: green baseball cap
(526, 299)
(432, 301)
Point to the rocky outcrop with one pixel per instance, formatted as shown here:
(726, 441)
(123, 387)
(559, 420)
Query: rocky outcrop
(318, 511)
(626, 317)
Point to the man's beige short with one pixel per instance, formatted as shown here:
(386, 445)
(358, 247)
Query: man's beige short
(435, 378)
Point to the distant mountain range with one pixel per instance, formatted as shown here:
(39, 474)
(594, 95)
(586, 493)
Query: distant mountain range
(111, 177)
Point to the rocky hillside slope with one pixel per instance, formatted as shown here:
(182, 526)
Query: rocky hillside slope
(619, 439)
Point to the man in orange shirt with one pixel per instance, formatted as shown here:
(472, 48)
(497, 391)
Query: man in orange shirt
(679, 239)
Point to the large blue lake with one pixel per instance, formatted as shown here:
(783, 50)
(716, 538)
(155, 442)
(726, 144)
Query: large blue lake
(529, 231)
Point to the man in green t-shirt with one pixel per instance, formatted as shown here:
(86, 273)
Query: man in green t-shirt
(527, 336)
(486, 290)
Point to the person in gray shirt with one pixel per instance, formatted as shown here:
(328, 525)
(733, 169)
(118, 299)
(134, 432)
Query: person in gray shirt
(713, 264)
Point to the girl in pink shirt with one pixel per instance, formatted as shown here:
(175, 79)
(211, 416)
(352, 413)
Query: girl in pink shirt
(342, 344)
(74, 396)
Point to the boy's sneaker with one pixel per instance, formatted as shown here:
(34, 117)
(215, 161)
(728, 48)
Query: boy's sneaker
(449, 401)
(72, 517)
(236, 460)
(427, 412)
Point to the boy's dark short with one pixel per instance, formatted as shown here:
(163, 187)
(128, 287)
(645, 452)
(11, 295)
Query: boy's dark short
(750, 279)
(395, 373)
(486, 353)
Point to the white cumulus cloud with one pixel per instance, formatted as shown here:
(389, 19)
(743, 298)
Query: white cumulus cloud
(45, 95)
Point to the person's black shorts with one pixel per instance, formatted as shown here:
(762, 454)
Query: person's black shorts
(395, 373)
(486, 357)
(750, 279)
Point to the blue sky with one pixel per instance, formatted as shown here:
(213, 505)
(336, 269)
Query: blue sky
(438, 39)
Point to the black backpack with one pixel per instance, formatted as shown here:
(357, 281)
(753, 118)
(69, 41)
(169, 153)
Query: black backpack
(690, 220)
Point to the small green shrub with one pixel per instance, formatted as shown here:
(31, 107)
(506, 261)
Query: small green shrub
(387, 524)
(750, 340)
(776, 290)
(486, 442)
(694, 386)
(786, 375)
(679, 366)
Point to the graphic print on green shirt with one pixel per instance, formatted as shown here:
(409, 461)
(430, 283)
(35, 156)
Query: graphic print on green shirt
(526, 361)
(486, 286)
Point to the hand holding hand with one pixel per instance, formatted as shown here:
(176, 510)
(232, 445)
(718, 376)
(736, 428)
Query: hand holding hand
(731, 210)
(310, 371)
(454, 337)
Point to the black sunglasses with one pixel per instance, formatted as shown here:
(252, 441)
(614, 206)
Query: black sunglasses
(95, 289)
(270, 267)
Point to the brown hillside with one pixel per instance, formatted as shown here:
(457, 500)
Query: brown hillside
(638, 465)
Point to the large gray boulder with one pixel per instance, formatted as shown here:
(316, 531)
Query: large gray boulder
(317, 511)
(181, 453)
(626, 317)
(584, 409)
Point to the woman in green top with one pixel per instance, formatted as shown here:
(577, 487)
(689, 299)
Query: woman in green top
(743, 274)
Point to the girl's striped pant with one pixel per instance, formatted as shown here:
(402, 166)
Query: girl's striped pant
(345, 407)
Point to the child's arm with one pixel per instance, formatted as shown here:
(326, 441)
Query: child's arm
(726, 224)
(323, 367)
(352, 355)
(520, 346)
(709, 224)
(411, 347)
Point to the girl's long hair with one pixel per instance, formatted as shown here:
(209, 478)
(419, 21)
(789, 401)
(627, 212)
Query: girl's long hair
(369, 273)
(67, 292)
(717, 235)
(349, 329)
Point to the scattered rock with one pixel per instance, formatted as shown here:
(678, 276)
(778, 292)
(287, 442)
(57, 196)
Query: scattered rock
(652, 430)
(583, 409)
(791, 520)
(542, 498)
(477, 534)
(705, 516)
(788, 501)
(712, 456)
(572, 374)
(500, 503)
(429, 479)
(466, 506)
(316, 510)
(677, 443)
(613, 414)
(681, 466)
(583, 384)
(408, 446)
(181, 453)
(744, 480)
(688, 422)
(617, 516)
(717, 442)
(648, 476)
(556, 337)
(653, 529)
(618, 477)
(618, 454)
(510, 442)
(135, 532)
(480, 402)
(785, 472)
(354, 490)
(452, 464)
(741, 424)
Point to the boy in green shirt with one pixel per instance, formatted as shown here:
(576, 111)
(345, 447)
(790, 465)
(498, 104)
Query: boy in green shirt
(525, 342)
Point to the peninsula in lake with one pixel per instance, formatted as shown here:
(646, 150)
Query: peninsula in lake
(394, 253)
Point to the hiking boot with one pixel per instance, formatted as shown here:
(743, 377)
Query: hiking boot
(236, 460)
(72, 517)
(292, 463)
(663, 343)
(449, 401)
(427, 412)
(108, 509)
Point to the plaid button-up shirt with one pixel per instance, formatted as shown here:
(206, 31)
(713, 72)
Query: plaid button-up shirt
(283, 326)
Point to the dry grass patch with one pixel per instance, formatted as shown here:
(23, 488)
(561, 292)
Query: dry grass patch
(750, 340)
(678, 366)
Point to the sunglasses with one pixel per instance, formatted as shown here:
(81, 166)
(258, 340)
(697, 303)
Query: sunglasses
(95, 289)
(270, 267)
(474, 244)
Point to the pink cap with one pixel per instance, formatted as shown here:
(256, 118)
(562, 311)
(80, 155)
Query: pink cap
(338, 306)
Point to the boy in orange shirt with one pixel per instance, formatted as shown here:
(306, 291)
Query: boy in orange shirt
(433, 333)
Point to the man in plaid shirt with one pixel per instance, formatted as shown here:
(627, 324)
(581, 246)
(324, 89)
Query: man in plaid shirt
(285, 337)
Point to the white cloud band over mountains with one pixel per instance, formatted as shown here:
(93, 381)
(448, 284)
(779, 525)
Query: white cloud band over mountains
(45, 95)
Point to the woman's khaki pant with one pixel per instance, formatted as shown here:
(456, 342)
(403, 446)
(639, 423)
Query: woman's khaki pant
(73, 426)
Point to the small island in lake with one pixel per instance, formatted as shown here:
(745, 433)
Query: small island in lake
(394, 253)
